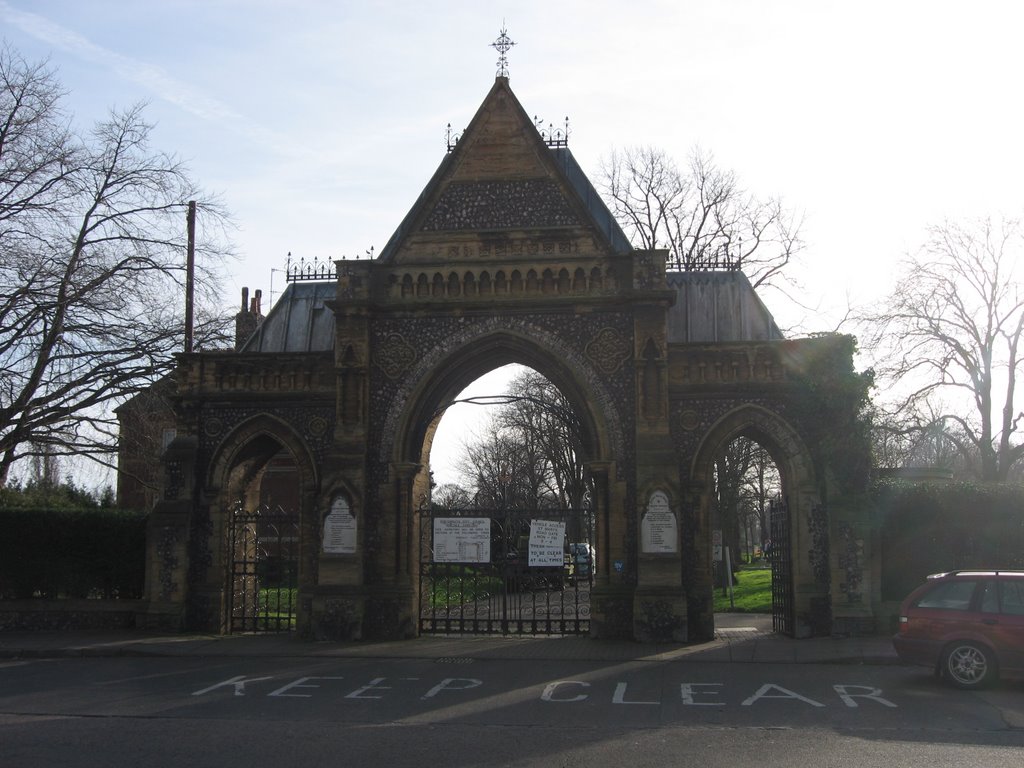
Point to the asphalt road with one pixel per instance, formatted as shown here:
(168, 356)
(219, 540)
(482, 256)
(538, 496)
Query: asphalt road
(456, 712)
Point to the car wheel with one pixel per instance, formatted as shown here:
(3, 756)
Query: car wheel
(968, 665)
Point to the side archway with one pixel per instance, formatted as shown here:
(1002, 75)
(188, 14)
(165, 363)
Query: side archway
(806, 564)
(260, 535)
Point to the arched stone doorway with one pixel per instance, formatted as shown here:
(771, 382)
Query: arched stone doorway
(557, 602)
(259, 565)
(801, 557)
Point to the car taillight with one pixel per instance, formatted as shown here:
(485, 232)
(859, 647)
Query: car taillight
(904, 623)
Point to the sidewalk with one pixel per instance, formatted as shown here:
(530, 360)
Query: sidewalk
(739, 638)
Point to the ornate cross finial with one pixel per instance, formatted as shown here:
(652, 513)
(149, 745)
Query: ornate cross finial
(502, 46)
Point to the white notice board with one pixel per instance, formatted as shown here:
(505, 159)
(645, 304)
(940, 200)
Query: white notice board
(462, 539)
(547, 543)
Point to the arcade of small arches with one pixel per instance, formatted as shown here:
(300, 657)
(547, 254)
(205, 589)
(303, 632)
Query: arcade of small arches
(472, 284)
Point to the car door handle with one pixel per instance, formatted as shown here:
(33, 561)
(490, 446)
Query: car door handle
(990, 622)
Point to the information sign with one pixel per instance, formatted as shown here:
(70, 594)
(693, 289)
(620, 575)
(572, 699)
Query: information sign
(462, 539)
(547, 543)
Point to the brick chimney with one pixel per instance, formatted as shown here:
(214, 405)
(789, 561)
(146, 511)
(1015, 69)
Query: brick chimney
(249, 319)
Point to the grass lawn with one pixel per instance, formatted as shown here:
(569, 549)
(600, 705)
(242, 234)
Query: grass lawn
(752, 595)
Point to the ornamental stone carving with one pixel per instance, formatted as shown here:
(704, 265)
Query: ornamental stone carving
(608, 350)
(395, 356)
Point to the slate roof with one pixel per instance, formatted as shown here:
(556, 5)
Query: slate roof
(300, 321)
(592, 201)
(715, 307)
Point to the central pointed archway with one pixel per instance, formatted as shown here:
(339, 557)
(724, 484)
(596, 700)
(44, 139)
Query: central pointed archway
(505, 588)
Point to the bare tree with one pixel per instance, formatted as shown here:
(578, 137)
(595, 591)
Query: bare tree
(506, 471)
(919, 436)
(92, 253)
(540, 414)
(761, 483)
(451, 496)
(701, 214)
(530, 456)
(947, 340)
(746, 479)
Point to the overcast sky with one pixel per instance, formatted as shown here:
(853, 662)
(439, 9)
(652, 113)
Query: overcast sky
(319, 123)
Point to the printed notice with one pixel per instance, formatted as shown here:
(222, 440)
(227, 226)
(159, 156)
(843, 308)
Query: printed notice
(658, 532)
(340, 529)
(547, 543)
(462, 539)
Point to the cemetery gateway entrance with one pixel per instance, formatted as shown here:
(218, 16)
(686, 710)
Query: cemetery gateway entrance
(508, 255)
(508, 572)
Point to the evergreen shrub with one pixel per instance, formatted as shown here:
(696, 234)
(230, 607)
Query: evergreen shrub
(929, 528)
(69, 553)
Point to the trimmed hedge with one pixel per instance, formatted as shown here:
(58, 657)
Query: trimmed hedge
(94, 553)
(933, 527)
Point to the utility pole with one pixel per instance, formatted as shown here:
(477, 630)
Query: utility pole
(190, 268)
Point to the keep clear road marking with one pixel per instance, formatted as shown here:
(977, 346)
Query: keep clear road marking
(238, 682)
(559, 691)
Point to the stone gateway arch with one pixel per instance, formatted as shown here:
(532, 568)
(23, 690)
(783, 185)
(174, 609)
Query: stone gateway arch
(304, 453)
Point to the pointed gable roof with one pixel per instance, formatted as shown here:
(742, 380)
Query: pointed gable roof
(502, 177)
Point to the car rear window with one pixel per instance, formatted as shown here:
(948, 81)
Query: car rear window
(950, 595)
(1013, 597)
(989, 597)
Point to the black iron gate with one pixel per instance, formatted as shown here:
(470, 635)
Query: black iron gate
(264, 547)
(780, 557)
(506, 572)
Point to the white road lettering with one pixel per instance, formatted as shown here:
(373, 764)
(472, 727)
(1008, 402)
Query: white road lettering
(238, 682)
(620, 696)
(550, 688)
(686, 690)
(374, 685)
(300, 683)
(784, 693)
(453, 684)
(852, 695)
(874, 694)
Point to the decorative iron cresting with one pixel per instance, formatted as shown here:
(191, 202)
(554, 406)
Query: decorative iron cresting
(451, 139)
(712, 257)
(302, 270)
(317, 269)
(553, 137)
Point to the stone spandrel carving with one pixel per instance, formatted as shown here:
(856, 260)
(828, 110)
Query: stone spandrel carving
(395, 356)
(609, 350)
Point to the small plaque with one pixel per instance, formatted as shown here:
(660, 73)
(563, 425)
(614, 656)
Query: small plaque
(340, 529)
(658, 529)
